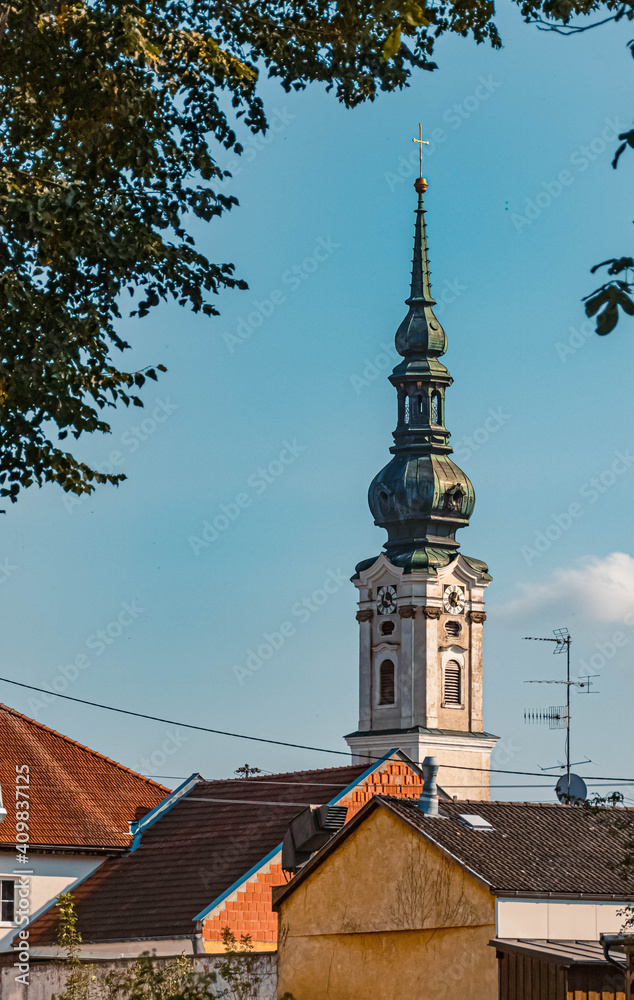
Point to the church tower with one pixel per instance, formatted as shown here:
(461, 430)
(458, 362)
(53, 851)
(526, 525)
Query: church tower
(421, 608)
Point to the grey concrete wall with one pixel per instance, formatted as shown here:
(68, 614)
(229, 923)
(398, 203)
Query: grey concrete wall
(46, 979)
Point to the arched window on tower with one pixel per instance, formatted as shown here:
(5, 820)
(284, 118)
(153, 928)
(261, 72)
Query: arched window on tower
(407, 409)
(436, 408)
(386, 683)
(452, 688)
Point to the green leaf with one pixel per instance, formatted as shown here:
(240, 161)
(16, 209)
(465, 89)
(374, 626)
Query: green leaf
(414, 14)
(392, 43)
(595, 303)
(608, 319)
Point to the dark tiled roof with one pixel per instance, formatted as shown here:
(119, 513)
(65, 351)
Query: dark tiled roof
(533, 847)
(78, 798)
(192, 855)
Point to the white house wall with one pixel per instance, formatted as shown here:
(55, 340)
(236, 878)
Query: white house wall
(556, 919)
(52, 874)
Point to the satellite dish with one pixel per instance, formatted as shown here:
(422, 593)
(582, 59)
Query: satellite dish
(572, 791)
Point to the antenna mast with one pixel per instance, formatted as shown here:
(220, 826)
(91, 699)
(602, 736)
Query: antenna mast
(562, 642)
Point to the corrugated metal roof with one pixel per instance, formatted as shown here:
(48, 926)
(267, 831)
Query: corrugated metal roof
(561, 952)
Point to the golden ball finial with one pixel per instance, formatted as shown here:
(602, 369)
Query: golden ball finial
(420, 185)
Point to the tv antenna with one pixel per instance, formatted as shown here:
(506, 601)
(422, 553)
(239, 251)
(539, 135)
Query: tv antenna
(558, 716)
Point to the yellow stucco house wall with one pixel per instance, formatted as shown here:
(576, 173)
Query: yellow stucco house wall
(384, 914)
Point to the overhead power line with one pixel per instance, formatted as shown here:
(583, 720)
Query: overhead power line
(246, 802)
(279, 743)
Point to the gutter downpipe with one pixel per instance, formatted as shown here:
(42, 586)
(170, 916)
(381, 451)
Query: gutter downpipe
(626, 942)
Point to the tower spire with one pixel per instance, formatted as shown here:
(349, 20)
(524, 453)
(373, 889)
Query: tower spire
(421, 497)
(421, 276)
(420, 333)
(421, 607)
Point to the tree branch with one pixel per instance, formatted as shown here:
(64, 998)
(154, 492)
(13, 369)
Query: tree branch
(5, 10)
(576, 29)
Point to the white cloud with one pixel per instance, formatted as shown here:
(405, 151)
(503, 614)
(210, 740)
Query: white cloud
(600, 589)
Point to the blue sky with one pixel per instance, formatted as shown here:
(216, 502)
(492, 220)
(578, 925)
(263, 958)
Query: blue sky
(273, 419)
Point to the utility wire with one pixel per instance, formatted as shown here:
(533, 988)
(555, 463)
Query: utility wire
(547, 782)
(247, 802)
(279, 743)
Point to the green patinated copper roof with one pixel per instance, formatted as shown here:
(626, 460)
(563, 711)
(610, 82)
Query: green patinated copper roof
(421, 497)
(420, 334)
(425, 560)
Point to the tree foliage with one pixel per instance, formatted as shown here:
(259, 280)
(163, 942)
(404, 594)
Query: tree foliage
(111, 116)
(557, 15)
(112, 113)
(608, 809)
(150, 978)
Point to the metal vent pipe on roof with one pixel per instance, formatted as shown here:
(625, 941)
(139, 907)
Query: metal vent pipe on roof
(428, 801)
(308, 832)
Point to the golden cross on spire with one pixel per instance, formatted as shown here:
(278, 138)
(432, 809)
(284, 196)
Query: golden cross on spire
(421, 142)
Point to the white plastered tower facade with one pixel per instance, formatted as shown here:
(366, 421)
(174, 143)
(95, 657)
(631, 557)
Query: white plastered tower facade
(425, 631)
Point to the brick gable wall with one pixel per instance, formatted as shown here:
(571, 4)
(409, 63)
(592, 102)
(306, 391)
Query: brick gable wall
(248, 910)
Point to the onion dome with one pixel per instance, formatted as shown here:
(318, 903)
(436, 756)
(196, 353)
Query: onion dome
(421, 497)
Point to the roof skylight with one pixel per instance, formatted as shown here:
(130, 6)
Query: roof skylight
(475, 822)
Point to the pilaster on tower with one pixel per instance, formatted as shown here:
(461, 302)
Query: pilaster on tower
(421, 602)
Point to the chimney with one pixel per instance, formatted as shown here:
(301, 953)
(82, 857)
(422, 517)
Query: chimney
(428, 801)
(3, 811)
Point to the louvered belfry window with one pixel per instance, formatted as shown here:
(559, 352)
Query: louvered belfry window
(435, 408)
(386, 683)
(453, 686)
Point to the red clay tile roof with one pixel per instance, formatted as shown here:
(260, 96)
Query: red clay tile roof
(78, 797)
(191, 856)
